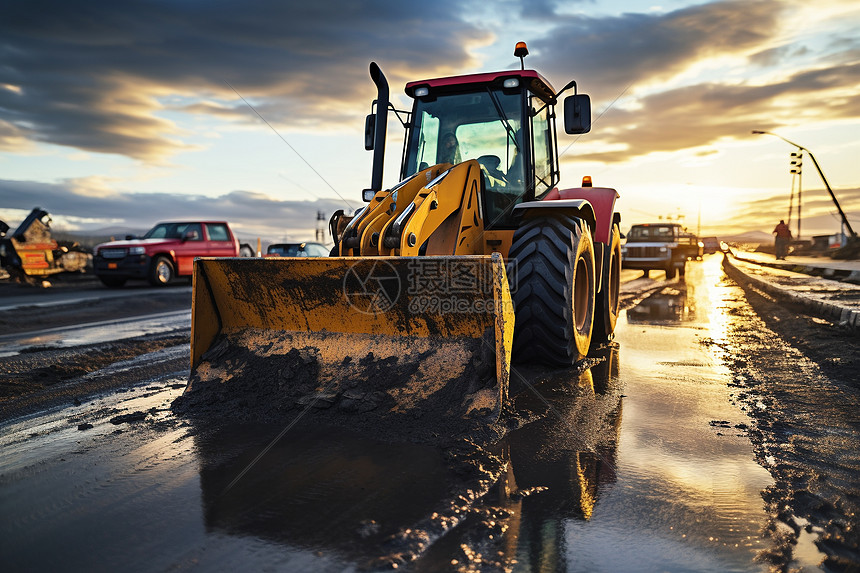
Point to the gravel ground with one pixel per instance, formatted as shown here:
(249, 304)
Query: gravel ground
(797, 377)
(43, 377)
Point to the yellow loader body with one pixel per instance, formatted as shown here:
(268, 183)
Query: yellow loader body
(414, 319)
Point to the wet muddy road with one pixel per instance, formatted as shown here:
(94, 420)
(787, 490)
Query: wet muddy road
(682, 448)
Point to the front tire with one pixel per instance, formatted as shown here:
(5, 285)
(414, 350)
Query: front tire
(608, 300)
(161, 272)
(551, 270)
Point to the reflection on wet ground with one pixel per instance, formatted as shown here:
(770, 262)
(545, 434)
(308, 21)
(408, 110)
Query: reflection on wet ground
(326, 492)
(673, 303)
(688, 491)
(96, 332)
(660, 478)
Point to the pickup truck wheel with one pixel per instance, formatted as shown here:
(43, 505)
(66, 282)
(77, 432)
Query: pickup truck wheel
(551, 269)
(112, 282)
(682, 268)
(606, 309)
(670, 272)
(161, 272)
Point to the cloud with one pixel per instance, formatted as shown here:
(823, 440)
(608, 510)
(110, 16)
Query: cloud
(773, 56)
(96, 75)
(251, 214)
(701, 114)
(607, 54)
(12, 138)
(693, 76)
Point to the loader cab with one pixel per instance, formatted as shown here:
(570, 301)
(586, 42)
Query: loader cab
(505, 121)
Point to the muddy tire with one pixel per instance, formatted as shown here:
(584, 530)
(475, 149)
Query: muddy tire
(551, 270)
(112, 282)
(607, 302)
(161, 272)
(682, 268)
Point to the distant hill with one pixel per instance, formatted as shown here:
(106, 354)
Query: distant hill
(117, 231)
(89, 239)
(749, 237)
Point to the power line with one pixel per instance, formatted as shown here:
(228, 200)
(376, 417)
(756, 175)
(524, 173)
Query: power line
(291, 147)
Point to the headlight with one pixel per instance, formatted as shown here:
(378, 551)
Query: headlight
(663, 249)
(137, 251)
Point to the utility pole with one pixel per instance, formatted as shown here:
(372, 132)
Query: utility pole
(320, 230)
(820, 174)
(797, 169)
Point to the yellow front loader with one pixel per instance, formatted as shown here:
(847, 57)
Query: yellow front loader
(413, 315)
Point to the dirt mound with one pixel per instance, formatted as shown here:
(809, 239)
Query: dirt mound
(414, 394)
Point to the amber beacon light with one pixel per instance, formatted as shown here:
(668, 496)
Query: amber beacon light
(521, 51)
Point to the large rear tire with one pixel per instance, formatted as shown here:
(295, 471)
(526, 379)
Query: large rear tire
(551, 269)
(608, 300)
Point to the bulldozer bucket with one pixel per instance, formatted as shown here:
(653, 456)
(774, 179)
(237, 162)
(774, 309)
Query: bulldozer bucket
(359, 339)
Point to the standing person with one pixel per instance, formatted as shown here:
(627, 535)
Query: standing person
(783, 237)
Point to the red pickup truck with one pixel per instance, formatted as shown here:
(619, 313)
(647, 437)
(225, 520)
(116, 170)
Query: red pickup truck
(166, 251)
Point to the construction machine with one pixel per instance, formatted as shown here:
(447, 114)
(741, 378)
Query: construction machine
(30, 254)
(474, 258)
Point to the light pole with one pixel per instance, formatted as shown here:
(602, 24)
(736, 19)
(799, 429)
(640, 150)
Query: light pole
(820, 173)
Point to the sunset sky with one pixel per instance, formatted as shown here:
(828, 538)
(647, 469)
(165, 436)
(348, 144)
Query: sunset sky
(121, 114)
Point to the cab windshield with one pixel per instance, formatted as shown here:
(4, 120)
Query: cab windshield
(171, 230)
(484, 125)
(651, 233)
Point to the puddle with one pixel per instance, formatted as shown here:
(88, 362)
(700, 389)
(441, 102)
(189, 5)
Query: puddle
(94, 333)
(626, 471)
(685, 496)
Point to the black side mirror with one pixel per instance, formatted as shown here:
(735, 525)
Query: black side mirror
(577, 114)
(369, 130)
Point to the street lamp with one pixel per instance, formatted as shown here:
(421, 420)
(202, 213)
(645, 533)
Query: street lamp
(820, 173)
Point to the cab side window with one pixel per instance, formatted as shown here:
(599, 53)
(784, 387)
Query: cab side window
(190, 231)
(217, 232)
(543, 151)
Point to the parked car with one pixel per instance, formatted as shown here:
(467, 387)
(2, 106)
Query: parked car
(165, 252)
(297, 250)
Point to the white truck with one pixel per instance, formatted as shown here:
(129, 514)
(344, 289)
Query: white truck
(660, 246)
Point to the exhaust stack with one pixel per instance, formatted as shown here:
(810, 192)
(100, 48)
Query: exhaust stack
(381, 125)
